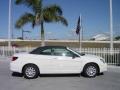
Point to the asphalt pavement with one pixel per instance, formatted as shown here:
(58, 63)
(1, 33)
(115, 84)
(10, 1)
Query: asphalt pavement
(109, 81)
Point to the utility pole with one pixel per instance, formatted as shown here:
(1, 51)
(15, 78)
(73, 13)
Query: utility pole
(111, 27)
(9, 25)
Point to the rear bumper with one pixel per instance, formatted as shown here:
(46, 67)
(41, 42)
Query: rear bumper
(15, 68)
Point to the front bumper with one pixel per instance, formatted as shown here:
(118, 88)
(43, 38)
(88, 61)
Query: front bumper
(103, 68)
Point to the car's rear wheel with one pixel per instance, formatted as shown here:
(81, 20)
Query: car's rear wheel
(90, 70)
(30, 71)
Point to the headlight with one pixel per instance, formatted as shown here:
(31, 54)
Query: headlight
(102, 60)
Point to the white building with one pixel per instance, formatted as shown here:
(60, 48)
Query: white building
(101, 37)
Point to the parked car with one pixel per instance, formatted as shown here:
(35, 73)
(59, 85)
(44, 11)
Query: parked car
(56, 60)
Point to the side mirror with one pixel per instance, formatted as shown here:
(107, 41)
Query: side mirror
(73, 57)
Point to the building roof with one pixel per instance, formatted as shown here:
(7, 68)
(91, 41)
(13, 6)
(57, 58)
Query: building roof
(101, 37)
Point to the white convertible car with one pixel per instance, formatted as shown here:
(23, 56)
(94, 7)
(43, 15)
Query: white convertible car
(56, 60)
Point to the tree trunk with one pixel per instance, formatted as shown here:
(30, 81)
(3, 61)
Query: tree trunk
(42, 35)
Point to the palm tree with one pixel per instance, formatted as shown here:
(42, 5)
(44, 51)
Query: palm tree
(40, 14)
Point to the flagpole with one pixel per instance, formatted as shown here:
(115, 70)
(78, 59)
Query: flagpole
(80, 34)
(79, 39)
(9, 25)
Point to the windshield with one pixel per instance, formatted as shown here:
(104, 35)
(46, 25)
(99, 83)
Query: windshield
(81, 54)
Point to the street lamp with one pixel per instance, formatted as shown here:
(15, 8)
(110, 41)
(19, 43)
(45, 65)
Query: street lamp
(23, 31)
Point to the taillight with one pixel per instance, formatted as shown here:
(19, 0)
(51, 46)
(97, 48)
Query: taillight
(14, 58)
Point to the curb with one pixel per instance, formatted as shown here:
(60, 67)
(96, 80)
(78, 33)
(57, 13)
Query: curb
(4, 58)
(113, 69)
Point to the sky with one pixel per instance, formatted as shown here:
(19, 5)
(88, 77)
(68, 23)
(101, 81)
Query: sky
(95, 19)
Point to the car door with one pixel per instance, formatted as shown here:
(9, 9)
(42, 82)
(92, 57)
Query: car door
(46, 61)
(67, 60)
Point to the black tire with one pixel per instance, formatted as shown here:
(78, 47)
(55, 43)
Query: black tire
(30, 71)
(90, 70)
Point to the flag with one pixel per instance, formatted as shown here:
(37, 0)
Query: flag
(78, 26)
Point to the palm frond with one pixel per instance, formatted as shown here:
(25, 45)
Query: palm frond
(26, 2)
(35, 5)
(62, 20)
(56, 19)
(24, 19)
(53, 17)
(54, 9)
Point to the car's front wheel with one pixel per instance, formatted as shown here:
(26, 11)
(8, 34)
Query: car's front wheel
(30, 71)
(90, 70)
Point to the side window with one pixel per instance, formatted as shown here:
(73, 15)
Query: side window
(46, 52)
(36, 51)
(61, 52)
